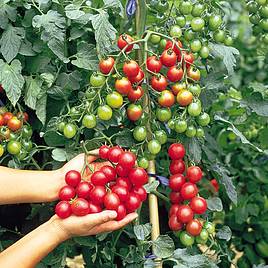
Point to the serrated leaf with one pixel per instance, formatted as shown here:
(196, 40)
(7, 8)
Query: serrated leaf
(32, 91)
(41, 110)
(86, 57)
(26, 48)
(224, 233)
(58, 48)
(6, 13)
(163, 246)
(59, 154)
(115, 4)
(227, 54)
(260, 107)
(124, 138)
(215, 204)
(195, 150)
(11, 79)
(142, 231)
(11, 41)
(152, 186)
(73, 11)
(258, 87)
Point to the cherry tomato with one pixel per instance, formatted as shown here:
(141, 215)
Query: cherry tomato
(175, 46)
(73, 178)
(198, 9)
(166, 98)
(229, 40)
(66, 193)
(114, 100)
(4, 133)
(173, 209)
(121, 212)
(186, 239)
(127, 160)
(181, 126)
(198, 205)
(97, 80)
(124, 182)
(193, 73)
(185, 7)
(109, 172)
(188, 58)
(134, 112)
(219, 36)
(168, 58)
(214, 22)
(97, 195)
(121, 192)
(181, 21)
(133, 202)
(264, 11)
(2, 121)
(194, 174)
(210, 227)
(194, 227)
(114, 154)
(177, 167)
(2, 150)
(105, 112)
(93, 208)
(106, 65)
(138, 176)
(121, 171)
(83, 189)
(215, 185)
(99, 178)
(204, 52)
(135, 94)
(197, 24)
(154, 147)
(111, 201)
(184, 98)
(89, 121)
(124, 42)
(163, 43)
(175, 31)
(141, 192)
(195, 89)
(70, 130)
(175, 74)
(139, 133)
(196, 45)
(154, 64)
(103, 151)
(188, 191)
(80, 207)
(161, 136)
(137, 79)
(7, 116)
(164, 114)
(191, 131)
(63, 209)
(23, 116)
(176, 88)
(131, 68)
(27, 145)
(200, 133)
(14, 147)
(194, 109)
(123, 86)
(155, 39)
(176, 151)
(143, 163)
(185, 214)
(159, 83)
(176, 182)
(174, 224)
(189, 35)
(175, 197)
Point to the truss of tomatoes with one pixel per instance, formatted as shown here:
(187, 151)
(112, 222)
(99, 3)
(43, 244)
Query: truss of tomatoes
(186, 203)
(116, 186)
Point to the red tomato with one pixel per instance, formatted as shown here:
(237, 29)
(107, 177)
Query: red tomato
(14, 123)
(185, 214)
(215, 185)
(66, 193)
(187, 57)
(188, 191)
(23, 116)
(103, 151)
(111, 201)
(97, 195)
(176, 46)
(123, 86)
(174, 223)
(135, 94)
(154, 64)
(175, 74)
(106, 65)
(176, 88)
(124, 42)
(159, 83)
(138, 176)
(193, 73)
(131, 68)
(122, 192)
(94, 208)
(176, 151)
(121, 212)
(177, 166)
(194, 174)
(83, 189)
(124, 182)
(127, 160)
(80, 207)
(137, 79)
(166, 98)
(198, 205)
(7, 116)
(2, 121)
(173, 209)
(134, 112)
(176, 182)
(168, 58)
(133, 202)
(114, 154)
(109, 172)
(175, 197)
(141, 192)
(99, 178)
(194, 227)
(121, 171)
(63, 209)
(184, 97)
(73, 178)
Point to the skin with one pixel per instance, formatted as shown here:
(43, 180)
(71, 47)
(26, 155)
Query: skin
(43, 186)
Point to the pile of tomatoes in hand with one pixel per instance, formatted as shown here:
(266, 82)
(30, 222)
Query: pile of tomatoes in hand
(15, 134)
(186, 203)
(116, 186)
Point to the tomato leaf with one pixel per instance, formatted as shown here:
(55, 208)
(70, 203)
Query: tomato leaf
(124, 138)
(115, 4)
(59, 155)
(88, 241)
(73, 11)
(163, 246)
(224, 233)
(7, 12)
(32, 91)
(215, 204)
(142, 231)
(194, 150)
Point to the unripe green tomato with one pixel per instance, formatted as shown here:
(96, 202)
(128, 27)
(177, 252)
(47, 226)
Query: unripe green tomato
(26, 132)
(254, 19)
(13, 136)
(228, 41)
(14, 147)
(191, 131)
(194, 109)
(200, 133)
(114, 100)
(265, 38)
(210, 227)
(61, 126)
(198, 9)
(204, 234)
(22, 154)
(219, 36)
(214, 22)
(195, 89)
(75, 113)
(143, 163)
(189, 35)
(186, 239)
(163, 114)
(89, 121)
(196, 45)
(200, 241)
(27, 145)
(264, 24)
(203, 120)
(180, 126)
(97, 80)
(197, 24)
(162, 6)
(252, 7)
(181, 21)
(175, 31)
(2, 150)
(171, 123)
(232, 136)
(155, 39)
(161, 136)
(69, 130)
(154, 147)
(90, 94)
(104, 112)
(204, 52)
(185, 7)
(261, 2)
(140, 133)
(163, 43)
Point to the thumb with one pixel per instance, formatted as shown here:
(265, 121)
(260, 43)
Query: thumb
(100, 218)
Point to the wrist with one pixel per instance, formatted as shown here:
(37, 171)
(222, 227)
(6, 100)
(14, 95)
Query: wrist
(57, 182)
(56, 228)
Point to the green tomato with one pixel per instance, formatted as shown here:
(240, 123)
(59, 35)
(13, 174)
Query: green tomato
(189, 35)
(264, 24)
(140, 133)
(90, 94)
(162, 6)
(13, 136)
(180, 126)
(26, 132)
(197, 24)
(186, 239)
(155, 39)
(61, 126)
(22, 155)
(252, 7)
(161, 136)
(163, 114)
(191, 131)
(14, 147)
(204, 234)
(198, 9)
(228, 41)
(185, 7)
(163, 43)
(75, 113)
(89, 121)
(27, 145)
(254, 19)
(200, 133)
(210, 227)
(203, 120)
(2, 150)
(261, 2)
(171, 123)
(204, 52)
(104, 112)
(201, 241)
(143, 163)
(97, 80)
(175, 31)
(154, 147)
(70, 130)
(265, 39)
(194, 109)
(181, 21)
(196, 45)
(214, 22)
(114, 100)
(262, 248)
(219, 36)
(195, 89)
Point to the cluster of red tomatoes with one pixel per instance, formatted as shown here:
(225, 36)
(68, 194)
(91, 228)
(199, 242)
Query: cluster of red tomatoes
(184, 198)
(116, 186)
(15, 133)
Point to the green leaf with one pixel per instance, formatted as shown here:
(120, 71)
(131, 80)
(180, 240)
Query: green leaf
(124, 138)
(163, 246)
(215, 204)
(11, 41)
(58, 48)
(142, 231)
(194, 150)
(105, 33)
(115, 4)
(53, 138)
(26, 48)
(59, 154)
(6, 13)
(224, 233)
(227, 54)
(258, 88)
(88, 241)
(73, 11)
(11, 79)
(260, 107)
(32, 91)
(149, 187)
(41, 106)
(86, 57)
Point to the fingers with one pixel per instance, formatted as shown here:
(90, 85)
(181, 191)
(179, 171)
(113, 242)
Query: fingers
(100, 218)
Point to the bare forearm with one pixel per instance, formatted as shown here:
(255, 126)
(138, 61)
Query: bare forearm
(18, 186)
